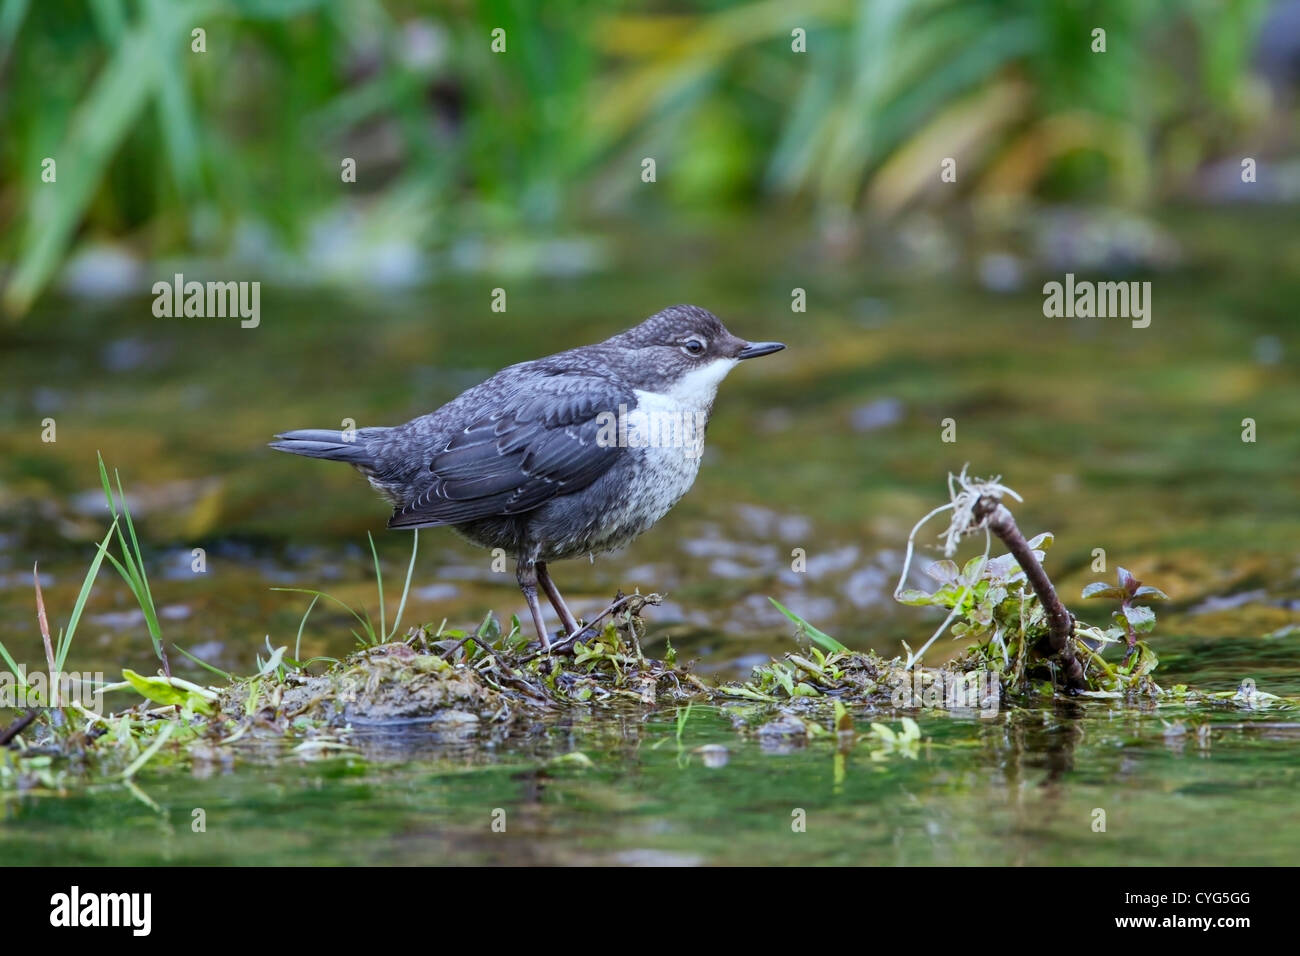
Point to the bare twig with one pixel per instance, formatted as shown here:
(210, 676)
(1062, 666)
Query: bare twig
(990, 512)
(565, 644)
(507, 672)
(446, 655)
(19, 725)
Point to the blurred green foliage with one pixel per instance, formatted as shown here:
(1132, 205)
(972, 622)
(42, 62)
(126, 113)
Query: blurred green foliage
(177, 151)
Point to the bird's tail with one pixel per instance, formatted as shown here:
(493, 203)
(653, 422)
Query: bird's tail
(329, 443)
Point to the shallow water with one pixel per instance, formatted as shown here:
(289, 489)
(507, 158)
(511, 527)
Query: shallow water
(1122, 439)
(1018, 791)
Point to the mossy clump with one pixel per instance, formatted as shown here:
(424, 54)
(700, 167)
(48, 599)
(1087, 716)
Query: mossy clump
(603, 665)
(381, 685)
(486, 675)
(864, 679)
(861, 677)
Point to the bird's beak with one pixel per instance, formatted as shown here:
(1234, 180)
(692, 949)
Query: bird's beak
(755, 349)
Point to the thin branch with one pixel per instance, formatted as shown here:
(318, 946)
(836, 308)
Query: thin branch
(19, 725)
(992, 514)
(564, 645)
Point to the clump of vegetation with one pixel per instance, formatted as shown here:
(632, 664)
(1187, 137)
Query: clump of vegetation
(1132, 618)
(1009, 607)
(450, 682)
(604, 664)
(991, 603)
(1025, 644)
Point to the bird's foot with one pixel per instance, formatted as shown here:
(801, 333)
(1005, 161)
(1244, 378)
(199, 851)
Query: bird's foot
(562, 643)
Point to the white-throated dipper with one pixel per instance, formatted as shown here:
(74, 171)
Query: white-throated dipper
(567, 455)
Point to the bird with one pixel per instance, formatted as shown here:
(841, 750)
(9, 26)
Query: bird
(573, 454)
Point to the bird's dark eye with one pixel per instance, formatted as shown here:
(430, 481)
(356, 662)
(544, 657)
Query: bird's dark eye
(693, 347)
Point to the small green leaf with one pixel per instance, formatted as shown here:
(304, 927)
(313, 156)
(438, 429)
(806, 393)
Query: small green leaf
(915, 598)
(784, 677)
(945, 572)
(1126, 580)
(742, 690)
(273, 663)
(1103, 590)
(1042, 542)
(162, 691)
(1150, 593)
(490, 629)
(1002, 568)
(1142, 662)
(1142, 619)
(974, 568)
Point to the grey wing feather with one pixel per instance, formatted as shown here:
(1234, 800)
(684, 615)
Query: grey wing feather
(521, 454)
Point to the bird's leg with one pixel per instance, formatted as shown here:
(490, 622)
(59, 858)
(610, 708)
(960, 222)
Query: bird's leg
(526, 574)
(557, 600)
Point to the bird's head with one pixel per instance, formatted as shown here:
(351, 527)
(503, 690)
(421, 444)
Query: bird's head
(685, 351)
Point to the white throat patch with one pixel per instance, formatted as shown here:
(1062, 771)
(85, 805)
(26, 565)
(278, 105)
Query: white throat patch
(697, 388)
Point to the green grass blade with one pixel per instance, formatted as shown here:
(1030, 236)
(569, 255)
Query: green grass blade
(205, 665)
(406, 588)
(317, 660)
(147, 605)
(297, 645)
(819, 637)
(101, 122)
(379, 583)
(175, 109)
(65, 639)
(99, 125)
(152, 749)
(329, 597)
(128, 570)
(13, 666)
(131, 566)
(103, 480)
